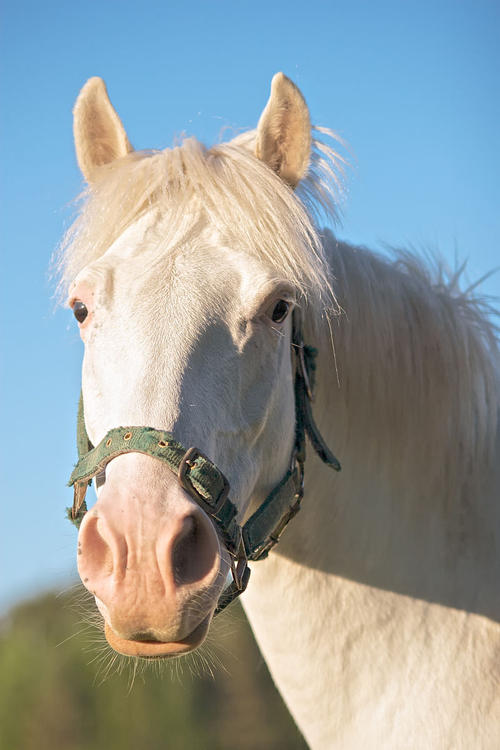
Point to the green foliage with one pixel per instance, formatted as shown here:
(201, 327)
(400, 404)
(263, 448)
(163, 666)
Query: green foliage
(61, 688)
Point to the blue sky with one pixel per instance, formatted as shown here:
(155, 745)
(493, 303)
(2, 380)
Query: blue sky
(412, 86)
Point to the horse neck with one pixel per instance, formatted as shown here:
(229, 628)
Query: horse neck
(410, 408)
(366, 611)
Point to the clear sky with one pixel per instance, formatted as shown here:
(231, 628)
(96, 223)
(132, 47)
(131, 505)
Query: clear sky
(412, 86)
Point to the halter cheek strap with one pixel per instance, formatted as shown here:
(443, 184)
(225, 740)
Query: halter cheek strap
(207, 485)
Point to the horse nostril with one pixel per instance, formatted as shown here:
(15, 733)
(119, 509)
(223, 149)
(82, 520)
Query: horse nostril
(95, 555)
(195, 550)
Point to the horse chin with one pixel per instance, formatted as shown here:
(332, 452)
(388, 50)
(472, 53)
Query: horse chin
(158, 649)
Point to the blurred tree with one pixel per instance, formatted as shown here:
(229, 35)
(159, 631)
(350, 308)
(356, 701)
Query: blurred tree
(62, 688)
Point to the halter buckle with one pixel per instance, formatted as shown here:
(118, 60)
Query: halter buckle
(210, 505)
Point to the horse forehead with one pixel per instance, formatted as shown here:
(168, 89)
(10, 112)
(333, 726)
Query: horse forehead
(132, 241)
(202, 269)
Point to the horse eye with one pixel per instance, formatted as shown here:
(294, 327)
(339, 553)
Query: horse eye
(280, 311)
(80, 311)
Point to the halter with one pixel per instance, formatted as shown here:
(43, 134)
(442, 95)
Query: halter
(207, 485)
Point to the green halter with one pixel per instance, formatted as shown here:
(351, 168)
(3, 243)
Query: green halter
(205, 482)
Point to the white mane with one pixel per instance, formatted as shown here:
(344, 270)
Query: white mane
(418, 370)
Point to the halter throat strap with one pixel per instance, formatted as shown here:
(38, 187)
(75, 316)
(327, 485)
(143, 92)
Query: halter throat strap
(206, 484)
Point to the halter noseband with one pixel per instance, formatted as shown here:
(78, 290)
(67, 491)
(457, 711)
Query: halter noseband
(206, 483)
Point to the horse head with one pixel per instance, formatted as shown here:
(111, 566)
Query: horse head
(183, 270)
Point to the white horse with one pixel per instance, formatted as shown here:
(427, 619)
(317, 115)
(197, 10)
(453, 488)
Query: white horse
(378, 612)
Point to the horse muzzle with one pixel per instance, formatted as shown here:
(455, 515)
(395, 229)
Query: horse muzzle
(152, 559)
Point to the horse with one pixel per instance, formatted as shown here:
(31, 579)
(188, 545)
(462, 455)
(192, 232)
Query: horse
(213, 310)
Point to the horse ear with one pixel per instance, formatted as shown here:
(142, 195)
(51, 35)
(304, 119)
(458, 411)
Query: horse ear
(284, 131)
(99, 134)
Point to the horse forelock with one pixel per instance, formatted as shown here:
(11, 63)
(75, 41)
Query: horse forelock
(227, 186)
